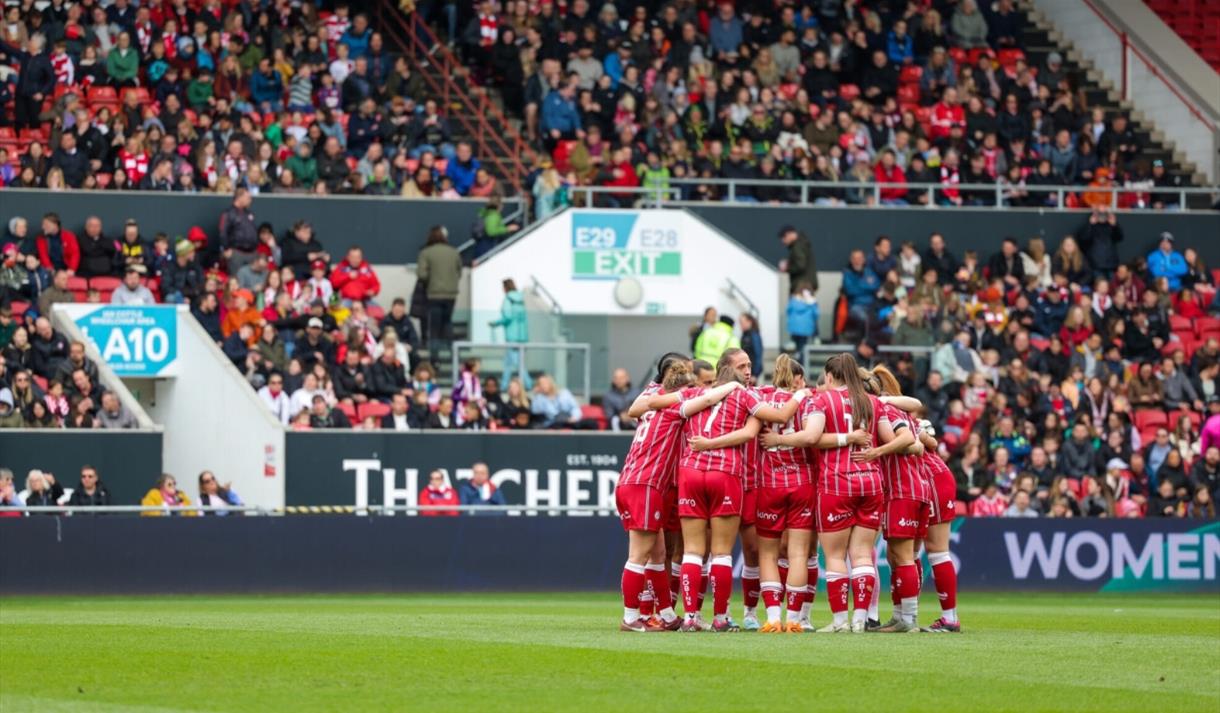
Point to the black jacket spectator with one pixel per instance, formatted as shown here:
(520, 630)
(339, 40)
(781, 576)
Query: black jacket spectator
(210, 321)
(999, 267)
(237, 350)
(404, 328)
(1099, 240)
(48, 353)
(187, 279)
(387, 379)
(334, 418)
(74, 164)
(100, 496)
(97, 255)
(351, 381)
(1076, 458)
(309, 353)
(238, 230)
(295, 254)
(945, 264)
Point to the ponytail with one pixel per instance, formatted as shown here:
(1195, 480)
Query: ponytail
(786, 372)
(871, 384)
(677, 376)
(845, 371)
(889, 382)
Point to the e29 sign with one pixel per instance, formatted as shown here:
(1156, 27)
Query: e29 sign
(134, 341)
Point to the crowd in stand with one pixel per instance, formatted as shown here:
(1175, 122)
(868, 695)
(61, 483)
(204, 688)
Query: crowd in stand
(282, 97)
(1088, 384)
(850, 93)
(308, 334)
(189, 96)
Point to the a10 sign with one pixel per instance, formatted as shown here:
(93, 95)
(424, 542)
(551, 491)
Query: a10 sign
(134, 340)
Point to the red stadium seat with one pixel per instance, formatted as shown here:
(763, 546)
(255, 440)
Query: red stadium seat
(142, 96)
(908, 94)
(593, 412)
(41, 381)
(6, 132)
(19, 308)
(958, 55)
(103, 96)
(376, 409)
(848, 92)
(1178, 323)
(349, 411)
(105, 283)
(910, 74)
(1204, 325)
(1009, 56)
(1150, 419)
(77, 283)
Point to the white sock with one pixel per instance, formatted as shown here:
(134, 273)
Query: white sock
(720, 618)
(910, 609)
(773, 615)
(840, 618)
(668, 615)
(806, 606)
(630, 615)
(675, 569)
(949, 615)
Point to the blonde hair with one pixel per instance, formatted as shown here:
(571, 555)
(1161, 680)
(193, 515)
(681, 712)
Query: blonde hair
(786, 372)
(886, 380)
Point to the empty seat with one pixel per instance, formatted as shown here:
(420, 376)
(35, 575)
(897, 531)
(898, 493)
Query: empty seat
(77, 283)
(1150, 419)
(376, 409)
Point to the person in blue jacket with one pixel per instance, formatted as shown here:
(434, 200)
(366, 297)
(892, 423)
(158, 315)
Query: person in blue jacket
(462, 168)
(479, 490)
(1168, 263)
(802, 316)
(860, 285)
(560, 119)
(267, 87)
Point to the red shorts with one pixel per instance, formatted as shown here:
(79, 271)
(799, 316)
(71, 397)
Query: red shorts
(944, 499)
(749, 507)
(906, 519)
(640, 507)
(839, 512)
(670, 521)
(704, 494)
(782, 509)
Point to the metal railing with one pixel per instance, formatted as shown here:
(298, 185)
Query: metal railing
(998, 194)
(254, 510)
(520, 349)
(827, 349)
(736, 292)
(413, 36)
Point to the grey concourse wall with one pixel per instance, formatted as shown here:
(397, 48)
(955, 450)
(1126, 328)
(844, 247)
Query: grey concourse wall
(390, 230)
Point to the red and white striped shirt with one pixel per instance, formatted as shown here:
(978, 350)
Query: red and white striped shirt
(934, 466)
(65, 72)
(653, 457)
(838, 474)
(785, 466)
(752, 453)
(719, 420)
(905, 477)
(335, 27)
(134, 165)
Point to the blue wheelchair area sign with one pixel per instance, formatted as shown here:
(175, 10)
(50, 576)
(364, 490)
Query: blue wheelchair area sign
(136, 341)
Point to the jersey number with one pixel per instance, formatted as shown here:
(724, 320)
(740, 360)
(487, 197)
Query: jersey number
(711, 419)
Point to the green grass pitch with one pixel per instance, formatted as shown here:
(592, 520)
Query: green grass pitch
(538, 652)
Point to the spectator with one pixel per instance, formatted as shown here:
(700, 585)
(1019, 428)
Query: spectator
(802, 313)
(1145, 391)
(57, 293)
(90, 492)
(321, 415)
(713, 341)
(439, 493)
(214, 495)
(751, 343)
(207, 313)
(462, 168)
(1177, 388)
(990, 503)
(182, 279)
(114, 415)
(1166, 502)
(554, 407)
(355, 279)
(275, 398)
(49, 348)
(860, 285)
(479, 490)
(956, 361)
(1021, 506)
(1168, 263)
(98, 253)
(41, 490)
(238, 232)
(132, 291)
(439, 267)
(8, 494)
(398, 419)
(800, 263)
(444, 417)
(618, 400)
(165, 495)
(10, 416)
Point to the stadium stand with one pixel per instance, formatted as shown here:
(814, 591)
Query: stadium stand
(1196, 22)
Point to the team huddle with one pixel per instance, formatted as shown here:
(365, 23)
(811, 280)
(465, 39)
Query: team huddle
(785, 468)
